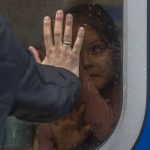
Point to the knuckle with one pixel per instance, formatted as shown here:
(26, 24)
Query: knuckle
(47, 24)
(69, 56)
(73, 56)
(47, 36)
(57, 34)
(77, 46)
(80, 36)
(68, 22)
(67, 37)
(57, 44)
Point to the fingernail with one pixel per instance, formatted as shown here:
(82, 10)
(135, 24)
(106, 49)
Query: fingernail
(46, 19)
(69, 18)
(59, 12)
(81, 31)
(30, 47)
(59, 15)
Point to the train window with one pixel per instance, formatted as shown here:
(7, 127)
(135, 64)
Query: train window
(98, 117)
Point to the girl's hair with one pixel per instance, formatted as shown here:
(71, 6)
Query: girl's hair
(99, 19)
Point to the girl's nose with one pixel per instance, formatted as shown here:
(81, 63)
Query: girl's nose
(87, 62)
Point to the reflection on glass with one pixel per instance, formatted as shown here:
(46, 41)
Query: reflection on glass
(99, 106)
(17, 135)
(97, 112)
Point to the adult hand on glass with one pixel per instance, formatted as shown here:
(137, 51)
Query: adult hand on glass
(59, 51)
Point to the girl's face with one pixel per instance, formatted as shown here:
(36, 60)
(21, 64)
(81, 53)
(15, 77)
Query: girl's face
(96, 56)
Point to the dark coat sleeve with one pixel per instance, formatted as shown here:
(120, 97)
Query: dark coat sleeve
(28, 90)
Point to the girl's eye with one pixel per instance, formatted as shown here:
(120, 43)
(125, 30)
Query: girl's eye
(97, 48)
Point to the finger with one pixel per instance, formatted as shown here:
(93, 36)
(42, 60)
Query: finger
(68, 31)
(35, 54)
(57, 122)
(58, 28)
(80, 113)
(68, 124)
(79, 40)
(81, 109)
(85, 132)
(48, 40)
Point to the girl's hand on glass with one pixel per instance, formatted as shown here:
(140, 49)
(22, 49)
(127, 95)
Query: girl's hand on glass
(68, 133)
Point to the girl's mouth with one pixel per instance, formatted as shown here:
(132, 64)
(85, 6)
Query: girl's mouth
(96, 77)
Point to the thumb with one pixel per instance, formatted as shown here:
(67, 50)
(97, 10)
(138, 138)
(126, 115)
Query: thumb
(85, 132)
(80, 113)
(35, 54)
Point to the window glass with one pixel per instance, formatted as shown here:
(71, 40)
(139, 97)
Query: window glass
(95, 117)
